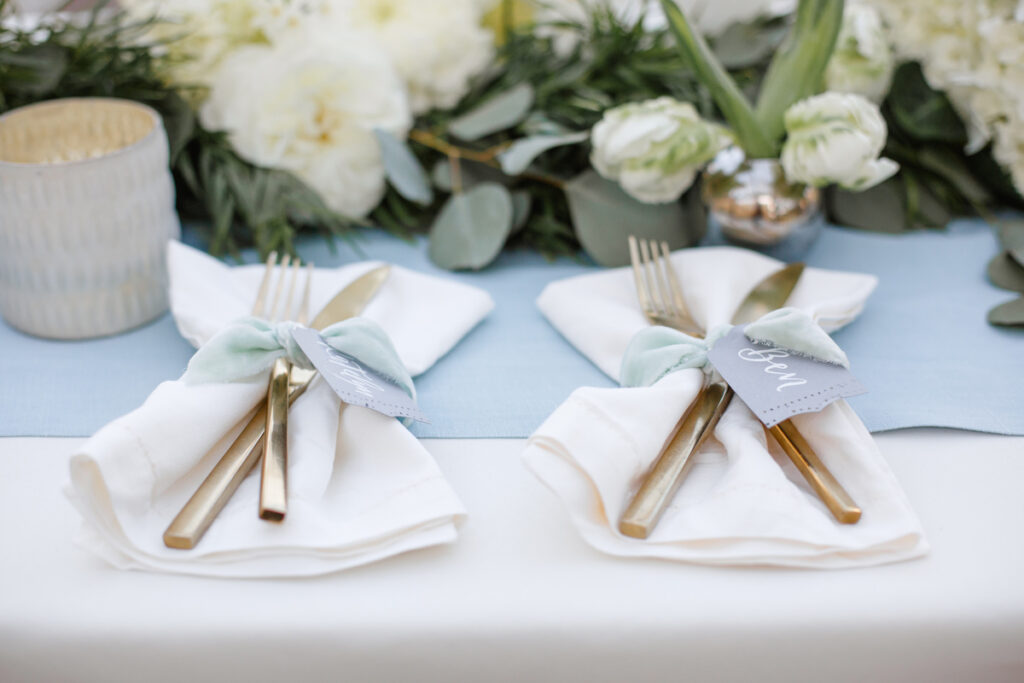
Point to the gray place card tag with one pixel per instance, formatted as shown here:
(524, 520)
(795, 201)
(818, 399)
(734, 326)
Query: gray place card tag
(777, 384)
(352, 381)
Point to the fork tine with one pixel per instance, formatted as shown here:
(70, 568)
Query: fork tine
(638, 276)
(290, 307)
(660, 267)
(678, 303)
(261, 293)
(303, 317)
(652, 281)
(272, 312)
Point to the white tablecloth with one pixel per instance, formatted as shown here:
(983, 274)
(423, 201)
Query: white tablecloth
(520, 597)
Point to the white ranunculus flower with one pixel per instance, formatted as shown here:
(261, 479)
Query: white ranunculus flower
(437, 46)
(836, 138)
(655, 148)
(862, 62)
(309, 105)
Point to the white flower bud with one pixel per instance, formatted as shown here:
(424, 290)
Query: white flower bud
(836, 138)
(862, 63)
(655, 148)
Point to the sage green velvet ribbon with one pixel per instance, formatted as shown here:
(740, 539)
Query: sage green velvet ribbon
(249, 346)
(657, 351)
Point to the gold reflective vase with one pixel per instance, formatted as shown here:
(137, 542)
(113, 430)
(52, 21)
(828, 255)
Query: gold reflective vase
(752, 204)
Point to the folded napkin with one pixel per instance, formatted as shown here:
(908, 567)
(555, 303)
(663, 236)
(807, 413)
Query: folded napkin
(742, 503)
(360, 486)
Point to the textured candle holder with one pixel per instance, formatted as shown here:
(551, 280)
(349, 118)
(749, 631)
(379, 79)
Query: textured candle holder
(86, 211)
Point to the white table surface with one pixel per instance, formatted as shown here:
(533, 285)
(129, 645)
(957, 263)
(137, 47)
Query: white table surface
(521, 598)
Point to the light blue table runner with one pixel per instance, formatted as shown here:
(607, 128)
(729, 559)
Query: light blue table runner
(922, 346)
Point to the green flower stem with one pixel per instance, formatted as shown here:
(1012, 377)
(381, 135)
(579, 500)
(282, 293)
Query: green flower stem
(798, 68)
(487, 156)
(735, 107)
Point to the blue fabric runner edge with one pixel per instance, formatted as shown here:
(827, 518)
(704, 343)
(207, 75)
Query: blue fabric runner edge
(922, 345)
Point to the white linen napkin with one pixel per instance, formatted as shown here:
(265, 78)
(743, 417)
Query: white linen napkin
(361, 487)
(742, 503)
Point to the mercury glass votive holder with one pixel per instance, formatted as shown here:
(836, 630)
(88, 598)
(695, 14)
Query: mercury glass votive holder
(86, 212)
(751, 204)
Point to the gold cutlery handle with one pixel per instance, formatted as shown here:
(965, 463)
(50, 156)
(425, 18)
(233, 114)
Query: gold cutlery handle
(831, 492)
(274, 473)
(187, 529)
(674, 460)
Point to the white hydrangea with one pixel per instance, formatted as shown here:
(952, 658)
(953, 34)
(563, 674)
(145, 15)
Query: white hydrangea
(199, 34)
(437, 46)
(974, 51)
(309, 104)
(654, 149)
(862, 62)
(836, 138)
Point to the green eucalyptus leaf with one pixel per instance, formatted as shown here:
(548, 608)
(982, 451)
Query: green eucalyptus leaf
(522, 202)
(951, 167)
(537, 123)
(744, 45)
(441, 175)
(471, 227)
(1009, 313)
(924, 208)
(922, 113)
(498, 113)
(472, 173)
(604, 216)
(403, 170)
(994, 177)
(521, 153)
(1006, 273)
(879, 208)
(1011, 235)
(1018, 256)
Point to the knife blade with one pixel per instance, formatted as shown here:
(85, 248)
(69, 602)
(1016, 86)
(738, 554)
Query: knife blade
(789, 438)
(191, 523)
(693, 428)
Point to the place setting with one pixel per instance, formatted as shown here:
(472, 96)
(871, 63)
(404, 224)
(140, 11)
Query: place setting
(216, 474)
(673, 465)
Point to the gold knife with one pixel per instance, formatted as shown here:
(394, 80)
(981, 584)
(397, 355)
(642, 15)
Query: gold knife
(670, 468)
(186, 530)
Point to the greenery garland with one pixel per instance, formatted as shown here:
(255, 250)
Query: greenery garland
(546, 194)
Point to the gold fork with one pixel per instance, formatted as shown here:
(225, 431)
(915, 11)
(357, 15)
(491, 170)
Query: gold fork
(274, 470)
(657, 287)
(675, 457)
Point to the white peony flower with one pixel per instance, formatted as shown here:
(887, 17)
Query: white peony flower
(655, 148)
(309, 105)
(437, 46)
(862, 62)
(836, 138)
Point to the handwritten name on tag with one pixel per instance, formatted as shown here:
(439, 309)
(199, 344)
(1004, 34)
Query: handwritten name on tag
(777, 384)
(353, 382)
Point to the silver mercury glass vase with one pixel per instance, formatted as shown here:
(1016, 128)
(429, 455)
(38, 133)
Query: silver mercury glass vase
(751, 204)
